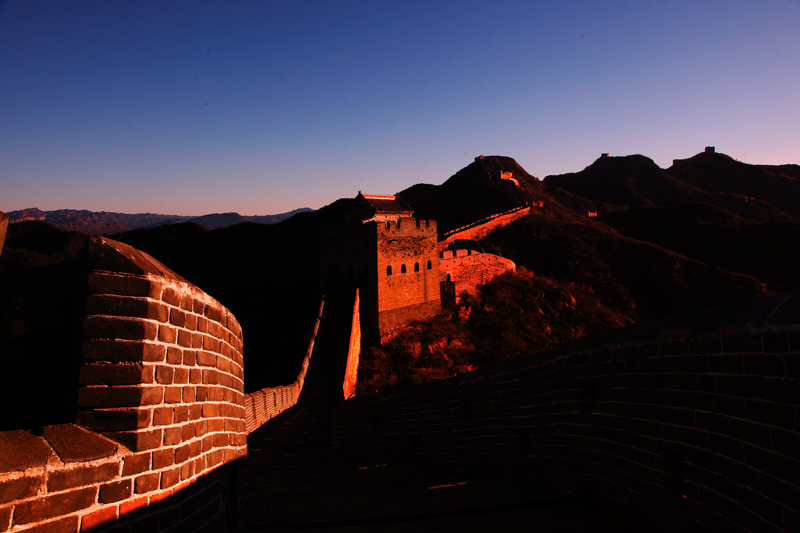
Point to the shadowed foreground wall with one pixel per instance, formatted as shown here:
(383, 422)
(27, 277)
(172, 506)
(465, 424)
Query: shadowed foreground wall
(161, 398)
(690, 424)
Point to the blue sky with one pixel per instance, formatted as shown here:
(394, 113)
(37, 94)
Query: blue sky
(194, 107)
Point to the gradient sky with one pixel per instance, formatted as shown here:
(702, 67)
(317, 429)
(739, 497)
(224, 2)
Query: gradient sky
(194, 107)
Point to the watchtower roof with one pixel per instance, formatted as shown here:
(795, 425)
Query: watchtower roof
(378, 207)
(388, 204)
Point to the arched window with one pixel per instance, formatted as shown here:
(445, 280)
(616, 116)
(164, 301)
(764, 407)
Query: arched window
(403, 268)
(416, 267)
(389, 270)
(398, 223)
(388, 225)
(430, 265)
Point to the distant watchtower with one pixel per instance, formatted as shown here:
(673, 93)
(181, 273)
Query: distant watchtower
(377, 245)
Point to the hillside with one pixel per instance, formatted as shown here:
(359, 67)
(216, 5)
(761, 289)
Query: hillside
(638, 261)
(636, 181)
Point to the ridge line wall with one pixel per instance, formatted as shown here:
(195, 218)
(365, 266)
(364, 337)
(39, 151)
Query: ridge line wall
(684, 431)
(482, 228)
(267, 403)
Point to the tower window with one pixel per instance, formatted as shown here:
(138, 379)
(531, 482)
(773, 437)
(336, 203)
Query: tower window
(427, 223)
(430, 265)
(416, 267)
(417, 223)
(389, 270)
(403, 268)
(388, 225)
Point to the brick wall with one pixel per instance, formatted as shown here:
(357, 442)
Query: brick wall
(468, 269)
(411, 291)
(265, 404)
(482, 228)
(687, 425)
(161, 395)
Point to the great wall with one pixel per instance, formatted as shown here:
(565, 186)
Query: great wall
(691, 424)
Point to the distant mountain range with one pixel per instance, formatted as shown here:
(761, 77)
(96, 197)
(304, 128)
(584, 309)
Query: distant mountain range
(628, 239)
(106, 223)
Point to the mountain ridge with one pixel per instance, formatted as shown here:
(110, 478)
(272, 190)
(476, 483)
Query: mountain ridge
(107, 222)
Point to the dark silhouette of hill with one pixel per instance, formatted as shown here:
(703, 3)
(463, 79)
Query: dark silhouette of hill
(636, 181)
(769, 251)
(714, 172)
(106, 223)
(637, 278)
(474, 192)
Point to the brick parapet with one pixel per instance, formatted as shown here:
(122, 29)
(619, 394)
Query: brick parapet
(482, 228)
(263, 405)
(699, 430)
(161, 396)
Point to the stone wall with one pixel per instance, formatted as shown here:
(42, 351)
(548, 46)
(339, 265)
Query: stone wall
(691, 424)
(263, 405)
(480, 229)
(353, 352)
(3, 229)
(407, 271)
(162, 403)
(467, 269)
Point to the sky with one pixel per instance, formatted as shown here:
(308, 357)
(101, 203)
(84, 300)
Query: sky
(260, 107)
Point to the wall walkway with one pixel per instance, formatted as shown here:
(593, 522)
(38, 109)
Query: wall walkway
(690, 424)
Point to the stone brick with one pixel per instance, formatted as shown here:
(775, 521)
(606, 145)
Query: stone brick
(78, 477)
(173, 395)
(206, 358)
(54, 505)
(68, 524)
(171, 296)
(132, 505)
(123, 285)
(187, 432)
(163, 416)
(181, 376)
(191, 322)
(116, 491)
(5, 518)
(100, 396)
(189, 394)
(185, 338)
(163, 458)
(187, 470)
(103, 327)
(174, 355)
(177, 318)
(197, 340)
(136, 464)
(121, 419)
(173, 436)
(164, 375)
(189, 357)
(115, 374)
(146, 483)
(167, 334)
(20, 488)
(98, 518)
(138, 441)
(170, 477)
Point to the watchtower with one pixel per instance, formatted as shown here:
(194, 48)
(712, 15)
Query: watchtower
(377, 245)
